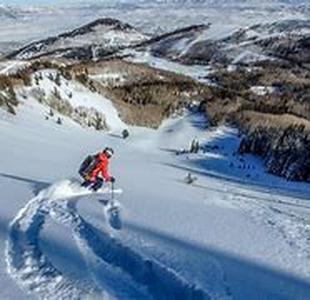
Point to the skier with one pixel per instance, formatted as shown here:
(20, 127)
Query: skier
(189, 179)
(99, 172)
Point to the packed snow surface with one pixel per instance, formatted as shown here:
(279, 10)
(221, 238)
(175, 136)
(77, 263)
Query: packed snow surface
(235, 233)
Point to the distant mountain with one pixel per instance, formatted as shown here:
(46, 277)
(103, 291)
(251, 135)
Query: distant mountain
(7, 12)
(287, 39)
(210, 2)
(91, 41)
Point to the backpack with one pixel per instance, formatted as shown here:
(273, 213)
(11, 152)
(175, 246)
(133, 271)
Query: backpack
(88, 165)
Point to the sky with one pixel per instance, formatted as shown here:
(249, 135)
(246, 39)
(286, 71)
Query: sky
(45, 2)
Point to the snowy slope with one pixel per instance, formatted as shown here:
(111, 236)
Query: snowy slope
(89, 41)
(78, 96)
(235, 233)
(12, 67)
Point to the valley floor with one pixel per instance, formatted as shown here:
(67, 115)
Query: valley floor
(235, 233)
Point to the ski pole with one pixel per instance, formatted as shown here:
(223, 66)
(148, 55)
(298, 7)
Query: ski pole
(112, 192)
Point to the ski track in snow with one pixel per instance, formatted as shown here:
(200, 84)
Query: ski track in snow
(288, 216)
(28, 265)
(109, 261)
(294, 228)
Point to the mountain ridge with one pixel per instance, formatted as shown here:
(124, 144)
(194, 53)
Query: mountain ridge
(66, 43)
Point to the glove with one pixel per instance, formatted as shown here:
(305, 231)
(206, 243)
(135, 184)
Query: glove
(112, 179)
(87, 178)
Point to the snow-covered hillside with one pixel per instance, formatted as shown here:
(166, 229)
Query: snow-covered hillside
(205, 224)
(90, 41)
(264, 41)
(36, 23)
(235, 233)
(71, 98)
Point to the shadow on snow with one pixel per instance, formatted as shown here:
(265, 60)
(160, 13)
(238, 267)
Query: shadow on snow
(246, 279)
(36, 185)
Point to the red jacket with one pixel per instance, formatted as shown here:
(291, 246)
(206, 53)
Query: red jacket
(101, 167)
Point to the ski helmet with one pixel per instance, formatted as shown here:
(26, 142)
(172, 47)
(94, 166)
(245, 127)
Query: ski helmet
(109, 151)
